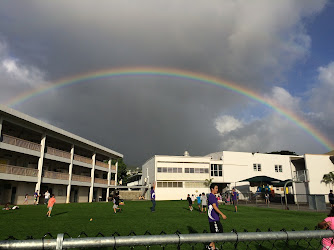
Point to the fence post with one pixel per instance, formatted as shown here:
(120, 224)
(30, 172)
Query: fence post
(60, 240)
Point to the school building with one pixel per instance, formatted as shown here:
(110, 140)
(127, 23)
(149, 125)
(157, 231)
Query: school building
(37, 156)
(177, 176)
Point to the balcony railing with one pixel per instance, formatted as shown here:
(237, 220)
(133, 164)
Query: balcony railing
(21, 143)
(300, 176)
(82, 159)
(102, 164)
(112, 183)
(101, 181)
(57, 152)
(55, 175)
(8, 169)
(81, 178)
(113, 167)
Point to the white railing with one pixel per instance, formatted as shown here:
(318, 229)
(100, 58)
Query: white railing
(300, 176)
(57, 152)
(8, 169)
(55, 175)
(21, 143)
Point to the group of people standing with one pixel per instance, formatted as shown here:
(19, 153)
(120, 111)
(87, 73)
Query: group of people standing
(201, 202)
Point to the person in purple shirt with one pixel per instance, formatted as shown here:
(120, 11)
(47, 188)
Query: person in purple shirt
(213, 214)
(235, 199)
(153, 198)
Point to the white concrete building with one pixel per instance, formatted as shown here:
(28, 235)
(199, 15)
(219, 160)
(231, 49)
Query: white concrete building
(177, 176)
(37, 156)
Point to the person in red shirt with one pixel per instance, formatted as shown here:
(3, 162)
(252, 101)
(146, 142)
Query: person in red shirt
(51, 202)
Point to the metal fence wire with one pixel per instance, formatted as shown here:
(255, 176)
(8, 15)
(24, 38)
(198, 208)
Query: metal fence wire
(307, 239)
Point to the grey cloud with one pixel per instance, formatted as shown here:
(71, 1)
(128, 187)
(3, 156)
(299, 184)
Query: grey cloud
(248, 43)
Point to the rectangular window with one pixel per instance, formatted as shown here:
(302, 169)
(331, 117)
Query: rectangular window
(170, 184)
(186, 170)
(179, 184)
(174, 184)
(159, 170)
(197, 170)
(164, 170)
(276, 168)
(169, 170)
(174, 170)
(164, 184)
(192, 170)
(159, 184)
(179, 170)
(280, 168)
(257, 167)
(206, 170)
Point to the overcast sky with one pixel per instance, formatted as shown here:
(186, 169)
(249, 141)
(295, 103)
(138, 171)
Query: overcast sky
(283, 50)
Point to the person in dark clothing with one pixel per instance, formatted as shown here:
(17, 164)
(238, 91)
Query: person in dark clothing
(153, 198)
(190, 203)
(331, 198)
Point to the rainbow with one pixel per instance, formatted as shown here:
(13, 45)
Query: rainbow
(181, 74)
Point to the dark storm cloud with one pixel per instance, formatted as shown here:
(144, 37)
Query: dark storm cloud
(243, 42)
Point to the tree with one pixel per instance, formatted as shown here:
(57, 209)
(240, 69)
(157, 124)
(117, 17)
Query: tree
(122, 171)
(208, 182)
(328, 178)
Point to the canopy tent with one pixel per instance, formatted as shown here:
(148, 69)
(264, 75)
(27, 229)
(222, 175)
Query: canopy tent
(263, 179)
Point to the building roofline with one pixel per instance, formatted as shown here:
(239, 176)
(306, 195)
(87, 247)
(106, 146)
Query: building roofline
(39, 123)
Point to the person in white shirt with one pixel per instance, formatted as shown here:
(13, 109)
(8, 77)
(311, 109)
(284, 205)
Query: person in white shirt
(46, 197)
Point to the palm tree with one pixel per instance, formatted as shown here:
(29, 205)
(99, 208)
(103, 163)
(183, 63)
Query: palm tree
(328, 178)
(208, 182)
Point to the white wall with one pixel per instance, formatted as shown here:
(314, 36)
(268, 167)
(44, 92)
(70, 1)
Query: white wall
(317, 166)
(178, 193)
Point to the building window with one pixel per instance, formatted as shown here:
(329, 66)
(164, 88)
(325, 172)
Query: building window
(169, 184)
(257, 167)
(216, 170)
(278, 168)
(169, 170)
(197, 170)
(193, 184)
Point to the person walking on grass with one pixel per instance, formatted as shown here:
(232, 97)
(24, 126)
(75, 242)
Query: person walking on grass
(190, 202)
(235, 199)
(116, 203)
(153, 198)
(204, 202)
(36, 195)
(331, 198)
(46, 197)
(199, 203)
(213, 215)
(51, 202)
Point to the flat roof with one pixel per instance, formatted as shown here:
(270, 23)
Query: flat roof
(12, 112)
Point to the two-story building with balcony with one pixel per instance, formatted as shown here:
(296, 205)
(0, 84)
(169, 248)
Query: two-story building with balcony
(177, 176)
(37, 156)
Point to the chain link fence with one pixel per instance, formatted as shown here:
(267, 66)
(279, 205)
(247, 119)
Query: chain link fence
(307, 239)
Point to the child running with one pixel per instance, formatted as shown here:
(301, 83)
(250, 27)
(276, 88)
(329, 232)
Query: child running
(51, 202)
(199, 203)
(190, 203)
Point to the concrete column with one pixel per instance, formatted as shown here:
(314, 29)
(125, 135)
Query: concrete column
(109, 177)
(91, 192)
(116, 164)
(40, 165)
(68, 196)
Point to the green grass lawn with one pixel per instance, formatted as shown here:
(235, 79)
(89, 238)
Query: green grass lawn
(169, 217)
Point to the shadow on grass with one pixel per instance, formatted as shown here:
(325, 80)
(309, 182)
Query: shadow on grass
(59, 213)
(192, 230)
